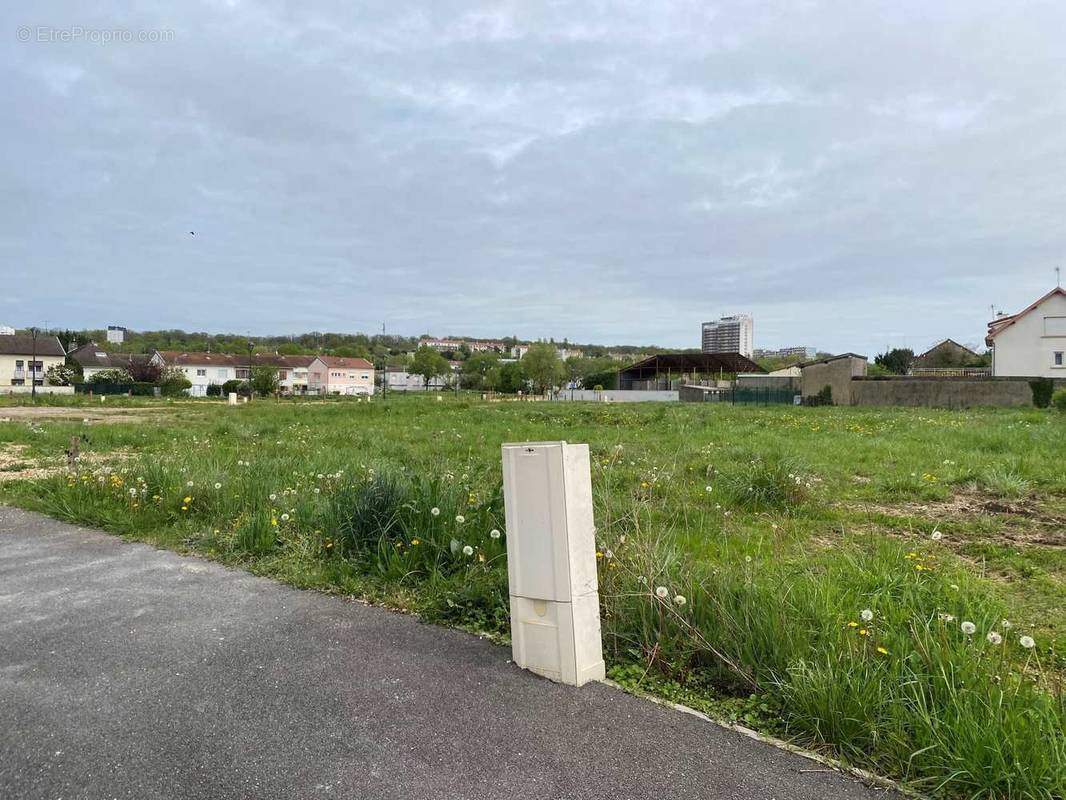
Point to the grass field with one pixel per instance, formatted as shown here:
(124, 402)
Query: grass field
(865, 582)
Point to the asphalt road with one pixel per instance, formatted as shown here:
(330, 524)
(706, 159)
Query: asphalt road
(129, 672)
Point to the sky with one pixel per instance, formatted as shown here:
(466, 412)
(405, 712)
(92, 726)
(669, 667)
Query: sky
(855, 175)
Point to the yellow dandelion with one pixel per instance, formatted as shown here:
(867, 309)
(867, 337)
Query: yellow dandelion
(853, 624)
(882, 651)
(863, 632)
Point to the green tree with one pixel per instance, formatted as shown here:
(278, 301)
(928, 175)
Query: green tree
(507, 378)
(61, 375)
(897, 360)
(542, 367)
(476, 369)
(428, 363)
(264, 381)
(172, 382)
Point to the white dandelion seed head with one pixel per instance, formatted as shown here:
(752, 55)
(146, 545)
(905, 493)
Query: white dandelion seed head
(1027, 642)
(679, 600)
(608, 554)
(133, 491)
(968, 628)
(936, 536)
(218, 485)
(273, 497)
(866, 614)
(460, 518)
(468, 550)
(1006, 624)
(284, 517)
(747, 559)
(435, 511)
(189, 484)
(708, 489)
(994, 638)
(494, 534)
(317, 490)
(662, 592)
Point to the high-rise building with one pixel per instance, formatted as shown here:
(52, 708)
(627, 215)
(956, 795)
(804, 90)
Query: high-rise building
(729, 335)
(116, 334)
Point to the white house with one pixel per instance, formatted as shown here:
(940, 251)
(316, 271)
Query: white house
(24, 360)
(1031, 343)
(204, 369)
(400, 380)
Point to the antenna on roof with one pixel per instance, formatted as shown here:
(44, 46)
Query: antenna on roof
(1058, 277)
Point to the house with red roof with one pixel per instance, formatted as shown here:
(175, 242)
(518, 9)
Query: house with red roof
(339, 375)
(1031, 343)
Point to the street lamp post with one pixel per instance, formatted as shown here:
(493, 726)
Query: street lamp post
(251, 351)
(34, 331)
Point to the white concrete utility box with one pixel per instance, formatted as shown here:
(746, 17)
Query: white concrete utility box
(551, 561)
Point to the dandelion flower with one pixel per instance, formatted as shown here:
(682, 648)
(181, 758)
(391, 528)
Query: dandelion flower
(416, 542)
(1005, 624)
(662, 592)
(608, 554)
(317, 490)
(187, 500)
(460, 518)
(882, 651)
(284, 517)
(747, 559)
(936, 535)
(273, 497)
(863, 632)
(468, 550)
(435, 511)
(1027, 642)
(867, 615)
(968, 628)
(708, 488)
(133, 491)
(494, 534)
(189, 484)
(994, 638)
(679, 600)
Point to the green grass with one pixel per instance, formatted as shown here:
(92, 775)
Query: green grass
(777, 527)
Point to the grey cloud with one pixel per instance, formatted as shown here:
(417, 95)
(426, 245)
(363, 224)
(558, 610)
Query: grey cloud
(853, 175)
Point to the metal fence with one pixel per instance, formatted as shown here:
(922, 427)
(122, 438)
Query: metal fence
(759, 396)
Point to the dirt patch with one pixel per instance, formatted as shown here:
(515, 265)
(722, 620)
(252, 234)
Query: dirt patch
(16, 466)
(83, 414)
(1026, 522)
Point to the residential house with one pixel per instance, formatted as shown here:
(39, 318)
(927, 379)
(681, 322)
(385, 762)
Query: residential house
(400, 380)
(24, 362)
(1031, 343)
(292, 371)
(945, 354)
(338, 375)
(205, 369)
(92, 359)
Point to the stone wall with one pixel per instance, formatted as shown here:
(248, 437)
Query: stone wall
(943, 392)
(835, 373)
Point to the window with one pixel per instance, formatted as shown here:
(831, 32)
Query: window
(201, 373)
(221, 372)
(1055, 326)
(19, 364)
(1056, 358)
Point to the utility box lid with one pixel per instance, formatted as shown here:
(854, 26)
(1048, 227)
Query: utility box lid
(550, 534)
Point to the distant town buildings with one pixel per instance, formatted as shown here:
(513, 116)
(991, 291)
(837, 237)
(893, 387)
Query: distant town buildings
(24, 360)
(729, 335)
(787, 352)
(6, 330)
(1031, 343)
(451, 345)
(116, 334)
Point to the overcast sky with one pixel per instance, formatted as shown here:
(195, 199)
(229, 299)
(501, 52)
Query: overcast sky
(852, 174)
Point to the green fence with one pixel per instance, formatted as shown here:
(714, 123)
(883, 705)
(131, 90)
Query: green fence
(759, 396)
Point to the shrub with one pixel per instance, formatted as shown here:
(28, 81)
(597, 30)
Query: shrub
(824, 397)
(1058, 399)
(110, 376)
(214, 390)
(172, 382)
(142, 389)
(1042, 391)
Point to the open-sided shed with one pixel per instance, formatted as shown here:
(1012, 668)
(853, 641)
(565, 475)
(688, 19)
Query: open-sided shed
(661, 369)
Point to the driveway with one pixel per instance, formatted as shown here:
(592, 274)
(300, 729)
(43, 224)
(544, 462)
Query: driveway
(130, 672)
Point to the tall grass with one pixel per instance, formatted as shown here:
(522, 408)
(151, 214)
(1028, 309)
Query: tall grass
(711, 579)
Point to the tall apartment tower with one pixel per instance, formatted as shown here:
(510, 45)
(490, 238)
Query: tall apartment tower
(729, 335)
